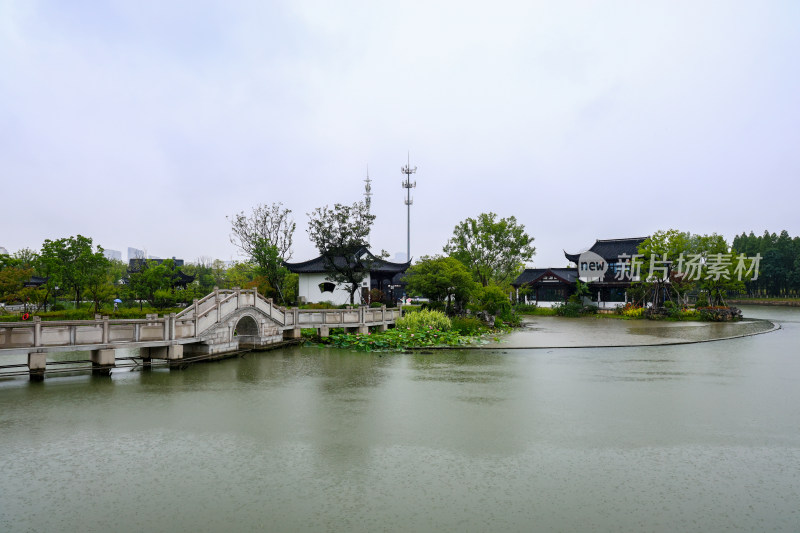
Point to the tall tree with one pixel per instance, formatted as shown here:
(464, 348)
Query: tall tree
(270, 224)
(441, 279)
(13, 274)
(70, 262)
(265, 237)
(495, 251)
(99, 278)
(340, 234)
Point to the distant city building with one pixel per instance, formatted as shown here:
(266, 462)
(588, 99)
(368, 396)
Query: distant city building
(3, 251)
(135, 253)
(114, 255)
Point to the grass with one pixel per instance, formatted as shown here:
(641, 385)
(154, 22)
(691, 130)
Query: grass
(535, 311)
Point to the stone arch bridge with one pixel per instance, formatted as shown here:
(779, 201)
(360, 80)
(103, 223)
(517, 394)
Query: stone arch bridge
(223, 321)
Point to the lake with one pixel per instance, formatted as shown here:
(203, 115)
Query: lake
(698, 437)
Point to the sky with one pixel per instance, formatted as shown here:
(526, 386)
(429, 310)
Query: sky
(147, 123)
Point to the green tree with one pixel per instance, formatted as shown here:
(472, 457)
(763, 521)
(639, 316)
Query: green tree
(70, 262)
(340, 234)
(13, 274)
(99, 278)
(441, 279)
(716, 277)
(241, 274)
(270, 266)
(495, 251)
(493, 299)
(153, 277)
(266, 237)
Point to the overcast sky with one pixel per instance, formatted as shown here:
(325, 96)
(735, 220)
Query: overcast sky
(145, 123)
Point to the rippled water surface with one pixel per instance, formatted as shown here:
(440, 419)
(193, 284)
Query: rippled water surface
(701, 437)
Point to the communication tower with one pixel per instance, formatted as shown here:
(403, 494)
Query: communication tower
(408, 185)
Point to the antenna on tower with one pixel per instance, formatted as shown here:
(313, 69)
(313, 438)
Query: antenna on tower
(408, 185)
(368, 190)
(368, 195)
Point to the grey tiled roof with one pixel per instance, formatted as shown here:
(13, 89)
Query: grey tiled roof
(317, 265)
(529, 275)
(611, 249)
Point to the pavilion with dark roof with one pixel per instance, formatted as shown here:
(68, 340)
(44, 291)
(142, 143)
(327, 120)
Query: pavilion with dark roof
(315, 287)
(549, 286)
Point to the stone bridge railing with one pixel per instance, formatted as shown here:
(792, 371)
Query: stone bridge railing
(187, 326)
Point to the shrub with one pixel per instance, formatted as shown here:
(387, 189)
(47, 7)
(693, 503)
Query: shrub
(435, 306)
(411, 308)
(468, 326)
(319, 305)
(569, 309)
(509, 318)
(720, 314)
(630, 310)
(425, 319)
(376, 296)
(493, 299)
(526, 309)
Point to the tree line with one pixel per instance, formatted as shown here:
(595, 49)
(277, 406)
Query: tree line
(477, 266)
(780, 263)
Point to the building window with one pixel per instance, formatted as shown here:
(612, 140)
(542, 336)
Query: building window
(326, 287)
(552, 294)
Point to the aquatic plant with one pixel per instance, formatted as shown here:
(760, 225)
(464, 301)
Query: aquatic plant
(398, 339)
(425, 319)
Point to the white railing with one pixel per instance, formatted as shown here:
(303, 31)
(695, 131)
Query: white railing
(190, 323)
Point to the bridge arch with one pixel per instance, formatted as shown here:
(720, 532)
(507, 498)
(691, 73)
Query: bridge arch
(246, 326)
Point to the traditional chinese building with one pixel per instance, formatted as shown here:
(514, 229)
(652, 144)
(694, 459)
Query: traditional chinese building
(548, 286)
(315, 287)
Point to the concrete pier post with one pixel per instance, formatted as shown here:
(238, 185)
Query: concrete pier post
(171, 352)
(37, 331)
(103, 361)
(105, 330)
(293, 333)
(37, 361)
(323, 331)
(175, 351)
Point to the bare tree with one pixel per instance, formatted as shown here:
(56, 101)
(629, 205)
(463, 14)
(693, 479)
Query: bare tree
(270, 224)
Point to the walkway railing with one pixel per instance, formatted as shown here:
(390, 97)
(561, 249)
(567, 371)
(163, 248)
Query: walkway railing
(186, 326)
